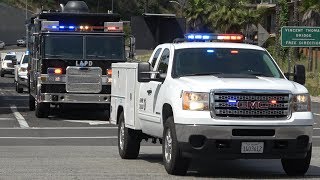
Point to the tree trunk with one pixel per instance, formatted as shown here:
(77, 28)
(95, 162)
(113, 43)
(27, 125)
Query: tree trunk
(295, 23)
(277, 29)
(310, 59)
(316, 61)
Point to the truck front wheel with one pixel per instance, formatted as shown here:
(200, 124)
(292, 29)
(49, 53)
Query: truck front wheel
(297, 167)
(128, 140)
(173, 161)
(31, 103)
(42, 110)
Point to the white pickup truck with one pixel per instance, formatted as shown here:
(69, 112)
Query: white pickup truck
(213, 100)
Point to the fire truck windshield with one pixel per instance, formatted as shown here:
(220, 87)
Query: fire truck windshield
(104, 47)
(91, 47)
(62, 46)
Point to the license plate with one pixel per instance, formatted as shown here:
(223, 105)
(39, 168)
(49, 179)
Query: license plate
(252, 147)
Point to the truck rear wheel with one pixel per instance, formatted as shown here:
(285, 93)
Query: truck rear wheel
(42, 110)
(128, 140)
(31, 103)
(297, 167)
(1, 73)
(173, 161)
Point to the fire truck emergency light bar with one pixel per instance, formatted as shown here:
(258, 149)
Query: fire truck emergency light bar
(55, 26)
(212, 37)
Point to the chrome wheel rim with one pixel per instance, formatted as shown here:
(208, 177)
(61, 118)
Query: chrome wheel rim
(121, 136)
(168, 146)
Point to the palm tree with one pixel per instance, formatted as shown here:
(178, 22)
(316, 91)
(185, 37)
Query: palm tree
(233, 16)
(311, 17)
(197, 13)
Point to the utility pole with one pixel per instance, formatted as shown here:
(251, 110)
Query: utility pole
(146, 6)
(277, 28)
(295, 23)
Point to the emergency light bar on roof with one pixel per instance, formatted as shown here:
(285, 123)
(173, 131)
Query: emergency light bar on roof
(56, 26)
(214, 37)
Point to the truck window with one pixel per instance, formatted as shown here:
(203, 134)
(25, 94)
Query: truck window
(59, 46)
(195, 61)
(155, 57)
(25, 59)
(164, 61)
(105, 47)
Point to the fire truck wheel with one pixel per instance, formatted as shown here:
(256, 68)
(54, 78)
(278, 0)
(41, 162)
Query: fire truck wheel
(173, 161)
(1, 73)
(297, 167)
(19, 88)
(42, 110)
(128, 141)
(31, 103)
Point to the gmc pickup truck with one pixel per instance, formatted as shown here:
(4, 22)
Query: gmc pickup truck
(217, 100)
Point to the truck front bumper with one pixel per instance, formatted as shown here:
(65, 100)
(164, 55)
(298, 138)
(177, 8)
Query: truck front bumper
(75, 98)
(224, 142)
(23, 81)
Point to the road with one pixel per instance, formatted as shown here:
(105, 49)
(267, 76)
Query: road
(81, 144)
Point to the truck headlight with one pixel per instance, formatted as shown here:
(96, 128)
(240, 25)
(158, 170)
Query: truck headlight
(22, 69)
(301, 103)
(195, 101)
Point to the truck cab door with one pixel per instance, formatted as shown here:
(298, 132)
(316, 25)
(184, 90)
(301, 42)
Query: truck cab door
(149, 91)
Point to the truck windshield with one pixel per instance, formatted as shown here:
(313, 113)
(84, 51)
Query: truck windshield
(10, 57)
(104, 47)
(59, 46)
(213, 61)
(25, 59)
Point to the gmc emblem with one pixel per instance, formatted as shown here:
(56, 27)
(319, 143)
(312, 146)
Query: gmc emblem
(252, 105)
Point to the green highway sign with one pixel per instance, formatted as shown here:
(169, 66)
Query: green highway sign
(300, 36)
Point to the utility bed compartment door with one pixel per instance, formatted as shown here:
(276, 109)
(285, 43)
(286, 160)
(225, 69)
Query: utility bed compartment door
(130, 97)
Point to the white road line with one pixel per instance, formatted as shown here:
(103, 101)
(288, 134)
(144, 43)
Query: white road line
(59, 128)
(316, 114)
(316, 137)
(88, 122)
(93, 137)
(6, 119)
(23, 123)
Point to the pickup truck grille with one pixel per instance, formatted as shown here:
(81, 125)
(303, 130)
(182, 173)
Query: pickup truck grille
(83, 80)
(10, 65)
(251, 105)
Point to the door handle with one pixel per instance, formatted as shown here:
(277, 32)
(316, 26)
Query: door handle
(149, 92)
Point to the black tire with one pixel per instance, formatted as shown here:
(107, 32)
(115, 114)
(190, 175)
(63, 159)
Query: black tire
(19, 88)
(174, 164)
(297, 167)
(32, 105)
(42, 110)
(1, 74)
(129, 146)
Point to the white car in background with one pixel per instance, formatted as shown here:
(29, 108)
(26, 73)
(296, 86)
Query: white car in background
(21, 73)
(2, 45)
(7, 64)
(21, 42)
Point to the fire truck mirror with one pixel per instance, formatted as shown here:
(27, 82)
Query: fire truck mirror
(132, 47)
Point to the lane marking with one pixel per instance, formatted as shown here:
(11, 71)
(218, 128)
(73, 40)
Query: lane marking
(93, 137)
(23, 123)
(88, 122)
(59, 128)
(6, 119)
(316, 114)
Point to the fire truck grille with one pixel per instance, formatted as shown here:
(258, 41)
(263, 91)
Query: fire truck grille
(253, 105)
(83, 80)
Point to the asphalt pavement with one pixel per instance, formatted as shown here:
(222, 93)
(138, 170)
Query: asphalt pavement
(81, 144)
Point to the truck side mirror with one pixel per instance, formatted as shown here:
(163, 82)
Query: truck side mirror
(299, 74)
(144, 74)
(132, 45)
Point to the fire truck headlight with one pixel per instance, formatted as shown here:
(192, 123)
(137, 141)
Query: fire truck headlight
(195, 101)
(301, 103)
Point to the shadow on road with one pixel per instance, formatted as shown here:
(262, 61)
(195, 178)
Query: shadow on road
(59, 114)
(246, 169)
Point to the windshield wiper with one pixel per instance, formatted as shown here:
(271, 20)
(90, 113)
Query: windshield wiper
(202, 74)
(53, 55)
(255, 73)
